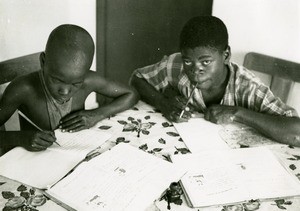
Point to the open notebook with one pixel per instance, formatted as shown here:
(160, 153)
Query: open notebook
(219, 177)
(43, 169)
(123, 178)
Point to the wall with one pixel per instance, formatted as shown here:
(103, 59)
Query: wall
(136, 33)
(26, 24)
(270, 27)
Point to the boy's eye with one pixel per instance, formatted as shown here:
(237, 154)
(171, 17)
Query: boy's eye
(78, 84)
(188, 63)
(206, 62)
(55, 80)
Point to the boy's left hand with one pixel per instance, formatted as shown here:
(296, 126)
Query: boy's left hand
(78, 121)
(220, 114)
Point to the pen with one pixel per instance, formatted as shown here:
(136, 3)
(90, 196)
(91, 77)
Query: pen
(37, 127)
(190, 97)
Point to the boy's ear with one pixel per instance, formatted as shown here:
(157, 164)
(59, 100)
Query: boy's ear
(42, 59)
(227, 55)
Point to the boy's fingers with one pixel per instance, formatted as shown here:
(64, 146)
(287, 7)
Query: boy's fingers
(178, 120)
(38, 147)
(186, 115)
(51, 133)
(45, 139)
(197, 115)
(70, 123)
(68, 117)
(42, 143)
(207, 114)
(71, 128)
(81, 127)
(48, 136)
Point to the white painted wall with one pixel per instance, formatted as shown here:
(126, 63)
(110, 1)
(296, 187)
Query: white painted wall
(270, 27)
(26, 24)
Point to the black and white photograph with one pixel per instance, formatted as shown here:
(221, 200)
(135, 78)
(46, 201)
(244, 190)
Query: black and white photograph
(154, 105)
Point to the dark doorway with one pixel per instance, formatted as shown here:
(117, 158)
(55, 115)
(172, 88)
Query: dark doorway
(136, 33)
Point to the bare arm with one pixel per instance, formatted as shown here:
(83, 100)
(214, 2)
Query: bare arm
(13, 96)
(148, 93)
(9, 103)
(123, 96)
(168, 105)
(282, 129)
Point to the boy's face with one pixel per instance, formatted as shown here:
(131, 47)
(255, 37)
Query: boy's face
(205, 66)
(64, 76)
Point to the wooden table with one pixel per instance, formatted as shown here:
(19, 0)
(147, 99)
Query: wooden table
(145, 128)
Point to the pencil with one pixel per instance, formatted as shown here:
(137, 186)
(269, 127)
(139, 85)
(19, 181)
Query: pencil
(190, 97)
(32, 123)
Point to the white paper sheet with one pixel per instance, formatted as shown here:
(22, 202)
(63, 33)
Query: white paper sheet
(200, 135)
(124, 178)
(230, 176)
(41, 169)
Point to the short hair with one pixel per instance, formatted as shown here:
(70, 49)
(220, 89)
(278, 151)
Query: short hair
(68, 36)
(206, 31)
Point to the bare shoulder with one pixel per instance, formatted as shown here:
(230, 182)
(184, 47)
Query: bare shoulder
(97, 83)
(23, 87)
(93, 76)
(93, 79)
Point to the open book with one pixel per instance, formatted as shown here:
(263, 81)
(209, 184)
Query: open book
(123, 178)
(43, 169)
(221, 177)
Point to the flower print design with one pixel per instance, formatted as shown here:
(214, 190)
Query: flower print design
(237, 207)
(298, 176)
(27, 201)
(121, 140)
(37, 200)
(15, 202)
(137, 126)
(281, 203)
(251, 205)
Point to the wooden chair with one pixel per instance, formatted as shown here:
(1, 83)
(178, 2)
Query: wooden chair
(283, 73)
(12, 68)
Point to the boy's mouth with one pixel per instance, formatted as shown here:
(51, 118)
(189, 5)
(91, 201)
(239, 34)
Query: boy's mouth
(62, 100)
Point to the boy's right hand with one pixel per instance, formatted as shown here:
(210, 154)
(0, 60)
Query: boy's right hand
(172, 107)
(38, 140)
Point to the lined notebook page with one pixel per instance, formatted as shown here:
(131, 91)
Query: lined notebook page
(124, 178)
(41, 169)
(81, 142)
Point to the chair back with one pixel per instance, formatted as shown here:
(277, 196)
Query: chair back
(283, 73)
(13, 68)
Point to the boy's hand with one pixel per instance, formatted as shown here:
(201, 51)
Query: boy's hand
(171, 108)
(38, 140)
(221, 114)
(78, 121)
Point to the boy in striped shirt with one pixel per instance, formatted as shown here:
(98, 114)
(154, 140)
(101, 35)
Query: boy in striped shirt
(224, 91)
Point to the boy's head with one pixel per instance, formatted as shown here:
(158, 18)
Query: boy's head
(66, 60)
(205, 52)
(204, 31)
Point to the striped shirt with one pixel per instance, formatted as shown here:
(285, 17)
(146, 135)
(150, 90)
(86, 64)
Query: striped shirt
(243, 88)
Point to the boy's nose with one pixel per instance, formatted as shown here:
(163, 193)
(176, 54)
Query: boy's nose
(64, 90)
(197, 67)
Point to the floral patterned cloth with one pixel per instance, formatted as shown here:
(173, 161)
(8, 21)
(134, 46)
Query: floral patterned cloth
(145, 127)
